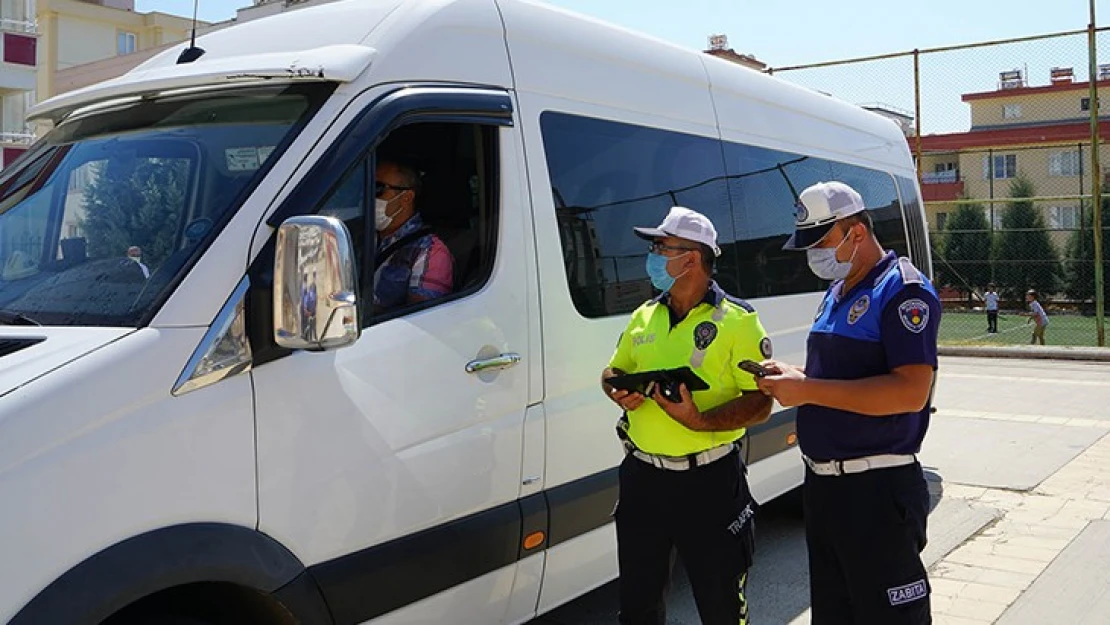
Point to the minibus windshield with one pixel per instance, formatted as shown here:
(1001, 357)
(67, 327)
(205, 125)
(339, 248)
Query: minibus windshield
(102, 217)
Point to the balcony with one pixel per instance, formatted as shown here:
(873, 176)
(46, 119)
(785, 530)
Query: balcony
(14, 144)
(942, 186)
(18, 54)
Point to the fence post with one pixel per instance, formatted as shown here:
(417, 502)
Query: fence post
(1096, 176)
(917, 110)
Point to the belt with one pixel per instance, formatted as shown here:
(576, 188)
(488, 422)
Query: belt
(859, 465)
(683, 463)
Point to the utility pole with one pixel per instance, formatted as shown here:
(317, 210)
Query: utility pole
(1096, 178)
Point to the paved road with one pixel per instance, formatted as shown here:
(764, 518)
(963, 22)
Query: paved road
(1001, 424)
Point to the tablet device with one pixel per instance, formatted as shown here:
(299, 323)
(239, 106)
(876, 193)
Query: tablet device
(638, 382)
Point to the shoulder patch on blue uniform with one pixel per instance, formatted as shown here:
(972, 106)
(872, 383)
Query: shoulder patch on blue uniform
(910, 274)
(741, 303)
(914, 314)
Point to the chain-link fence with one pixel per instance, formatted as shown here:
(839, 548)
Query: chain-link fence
(1002, 133)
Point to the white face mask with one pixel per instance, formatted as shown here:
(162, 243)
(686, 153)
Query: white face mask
(137, 259)
(382, 219)
(824, 265)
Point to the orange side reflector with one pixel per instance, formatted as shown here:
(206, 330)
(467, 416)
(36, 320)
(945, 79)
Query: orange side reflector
(533, 540)
(791, 439)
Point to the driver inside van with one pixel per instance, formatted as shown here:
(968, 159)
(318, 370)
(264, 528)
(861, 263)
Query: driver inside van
(413, 263)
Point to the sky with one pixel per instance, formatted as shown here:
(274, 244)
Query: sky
(783, 33)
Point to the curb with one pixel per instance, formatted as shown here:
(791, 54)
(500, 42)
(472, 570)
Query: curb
(1090, 354)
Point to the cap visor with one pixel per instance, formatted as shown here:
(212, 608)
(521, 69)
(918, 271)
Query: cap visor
(649, 233)
(803, 239)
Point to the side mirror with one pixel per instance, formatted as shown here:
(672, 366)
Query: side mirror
(315, 302)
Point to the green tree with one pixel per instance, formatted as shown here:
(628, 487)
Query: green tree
(135, 201)
(1079, 272)
(1024, 256)
(966, 249)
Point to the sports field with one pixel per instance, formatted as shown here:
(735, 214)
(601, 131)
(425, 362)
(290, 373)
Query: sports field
(970, 328)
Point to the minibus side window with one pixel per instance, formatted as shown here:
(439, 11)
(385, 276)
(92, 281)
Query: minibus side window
(608, 177)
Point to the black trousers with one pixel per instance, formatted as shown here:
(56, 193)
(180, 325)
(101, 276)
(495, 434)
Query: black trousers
(865, 533)
(706, 516)
(992, 321)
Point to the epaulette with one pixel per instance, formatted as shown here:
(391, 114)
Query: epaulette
(739, 302)
(910, 274)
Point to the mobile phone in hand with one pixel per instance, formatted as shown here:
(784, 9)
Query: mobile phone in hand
(754, 368)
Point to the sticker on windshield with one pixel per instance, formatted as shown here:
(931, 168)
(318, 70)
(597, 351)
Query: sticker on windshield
(242, 159)
(264, 153)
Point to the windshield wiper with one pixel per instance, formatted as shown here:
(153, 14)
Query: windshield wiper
(13, 318)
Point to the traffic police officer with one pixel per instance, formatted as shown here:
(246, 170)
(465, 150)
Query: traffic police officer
(863, 409)
(682, 483)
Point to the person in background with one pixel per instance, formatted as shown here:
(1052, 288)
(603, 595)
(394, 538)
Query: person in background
(1037, 315)
(135, 253)
(991, 298)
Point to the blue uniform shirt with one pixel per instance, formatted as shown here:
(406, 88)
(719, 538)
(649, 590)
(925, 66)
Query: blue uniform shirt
(888, 320)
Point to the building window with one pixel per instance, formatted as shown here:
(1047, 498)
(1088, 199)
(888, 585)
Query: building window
(1085, 104)
(20, 49)
(125, 42)
(942, 221)
(1065, 163)
(1005, 166)
(1011, 111)
(1063, 217)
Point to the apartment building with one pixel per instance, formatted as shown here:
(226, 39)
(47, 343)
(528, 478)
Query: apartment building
(19, 41)
(1041, 132)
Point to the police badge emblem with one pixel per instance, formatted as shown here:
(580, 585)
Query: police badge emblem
(704, 333)
(765, 347)
(801, 214)
(858, 309)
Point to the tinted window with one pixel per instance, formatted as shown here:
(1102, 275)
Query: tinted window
(607, 178)
(764, 185)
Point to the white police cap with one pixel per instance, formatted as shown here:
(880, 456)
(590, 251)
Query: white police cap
(818, 208)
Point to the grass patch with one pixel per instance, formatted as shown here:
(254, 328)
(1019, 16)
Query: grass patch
(970, 328)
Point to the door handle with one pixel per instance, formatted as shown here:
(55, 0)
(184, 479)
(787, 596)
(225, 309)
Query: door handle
(503, 361)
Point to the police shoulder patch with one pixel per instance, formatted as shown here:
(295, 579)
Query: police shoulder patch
(914, 314)
(766, 348)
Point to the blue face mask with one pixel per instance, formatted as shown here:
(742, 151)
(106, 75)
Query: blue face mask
(657, 271)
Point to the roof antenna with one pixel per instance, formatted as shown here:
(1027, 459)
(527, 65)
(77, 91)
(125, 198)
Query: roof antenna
(192, 53)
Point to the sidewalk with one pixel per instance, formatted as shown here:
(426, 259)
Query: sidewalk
(1046, 560)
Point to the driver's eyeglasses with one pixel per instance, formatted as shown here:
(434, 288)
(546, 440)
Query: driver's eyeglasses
(659, 248)
(380, 188)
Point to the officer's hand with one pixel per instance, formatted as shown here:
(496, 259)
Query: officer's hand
(683, 411)
(628, 400)
(788, 388)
